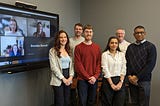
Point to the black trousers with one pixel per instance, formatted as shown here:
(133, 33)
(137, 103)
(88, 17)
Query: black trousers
(74, 97)
(109, 97)
(62, 92)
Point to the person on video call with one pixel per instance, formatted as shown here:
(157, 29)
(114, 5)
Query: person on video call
(39, 32)
(13, 28)
(15, 51)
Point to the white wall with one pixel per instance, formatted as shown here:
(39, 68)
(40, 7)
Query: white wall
(107, 15)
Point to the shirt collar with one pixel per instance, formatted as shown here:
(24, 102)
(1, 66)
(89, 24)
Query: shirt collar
(140, 42)
(108, 52)
(123, 41)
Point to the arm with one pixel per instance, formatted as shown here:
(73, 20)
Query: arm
(71, 68)
(151, 61)
(123, 68)
(98, 67)
(105, 70)
(122, 71)
(93, 78)
(44, 34)
(79, 65)
(71, 71)
(131, 78)
(55, 68)
(113, 86)
(104, 65)
(128, 66)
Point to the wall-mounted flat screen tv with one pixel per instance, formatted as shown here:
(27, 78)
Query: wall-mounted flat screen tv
(25, 38)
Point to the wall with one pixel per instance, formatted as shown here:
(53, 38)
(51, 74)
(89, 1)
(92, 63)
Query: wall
(26, 89)
(32, 88)
(107, 15)
(68, 10)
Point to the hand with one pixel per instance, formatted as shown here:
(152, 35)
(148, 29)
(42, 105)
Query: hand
(133, 79)
(70, 79)
(114, 87)
(92, 80)
(119, 85)
(66, 81)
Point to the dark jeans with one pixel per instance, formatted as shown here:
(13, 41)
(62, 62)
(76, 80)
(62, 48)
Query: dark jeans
(86, 93)
(62, 92)
(140, 95)
(109, 97)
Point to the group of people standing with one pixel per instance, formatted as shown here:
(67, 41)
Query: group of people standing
(120, 63)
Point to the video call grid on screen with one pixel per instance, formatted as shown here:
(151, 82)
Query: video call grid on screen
(28, 44)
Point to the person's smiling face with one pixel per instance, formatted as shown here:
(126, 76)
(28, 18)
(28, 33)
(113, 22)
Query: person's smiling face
(139, 34)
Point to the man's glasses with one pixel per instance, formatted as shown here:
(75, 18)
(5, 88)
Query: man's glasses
(137, 33)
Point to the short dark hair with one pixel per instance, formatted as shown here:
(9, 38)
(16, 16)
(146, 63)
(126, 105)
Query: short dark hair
(78, 24)
(139, 27)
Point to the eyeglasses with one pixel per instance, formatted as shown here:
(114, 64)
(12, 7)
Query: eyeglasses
(137, 33)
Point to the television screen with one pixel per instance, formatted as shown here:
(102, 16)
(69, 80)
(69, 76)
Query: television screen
(25, 38)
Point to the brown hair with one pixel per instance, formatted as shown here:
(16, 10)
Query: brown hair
(57, 43)
(87, 27)
(78, 24)
(14, 20)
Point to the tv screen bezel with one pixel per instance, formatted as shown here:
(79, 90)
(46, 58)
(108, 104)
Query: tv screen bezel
(14, 68)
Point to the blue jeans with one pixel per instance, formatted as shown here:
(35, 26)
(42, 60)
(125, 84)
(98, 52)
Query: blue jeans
(86, 93)
(140, 95)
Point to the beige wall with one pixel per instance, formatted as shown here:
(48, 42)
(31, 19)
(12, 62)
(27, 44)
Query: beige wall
(107, 15)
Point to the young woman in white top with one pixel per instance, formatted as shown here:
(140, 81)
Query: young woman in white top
(114, 70)
(61, 68)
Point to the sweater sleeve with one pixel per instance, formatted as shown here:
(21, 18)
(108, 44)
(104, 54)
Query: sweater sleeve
(98, 64)
(79, 65)
(150, 63)
(128, 66)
